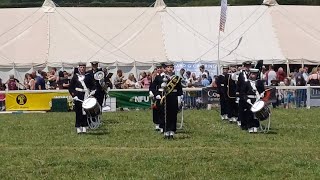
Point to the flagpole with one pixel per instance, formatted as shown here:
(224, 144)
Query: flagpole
(219, 68)
(223, 17)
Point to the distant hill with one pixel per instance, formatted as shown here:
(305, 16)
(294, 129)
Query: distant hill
(144, 3)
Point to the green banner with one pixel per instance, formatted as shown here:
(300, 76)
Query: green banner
(131, 99)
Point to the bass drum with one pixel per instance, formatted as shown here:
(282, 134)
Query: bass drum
(260, 110)
(91, 107)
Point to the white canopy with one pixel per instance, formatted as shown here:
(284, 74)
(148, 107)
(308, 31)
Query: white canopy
(140, 37)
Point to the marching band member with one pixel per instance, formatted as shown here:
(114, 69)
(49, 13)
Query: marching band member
(80, 86)
(231, 95)
(100, 93)
(242, 79)
(171, 96)
(157, 110)
(223, 93)
(249, 93)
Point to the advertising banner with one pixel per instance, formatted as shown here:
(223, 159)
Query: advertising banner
(210, 95)
(40, 101)
(131, 99)
(194, 67)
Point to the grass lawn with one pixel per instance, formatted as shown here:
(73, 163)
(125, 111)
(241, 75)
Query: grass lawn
(45, 146)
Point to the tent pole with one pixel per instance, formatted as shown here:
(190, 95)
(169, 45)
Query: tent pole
(288, 68)
(219, 53)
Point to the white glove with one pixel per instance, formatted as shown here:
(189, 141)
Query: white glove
(75, 98)
(237, 100)
(158, 97)
(181, 98)
(179, 101)
(151, 94)
(249, 101)
(92, 93)
(262, 95)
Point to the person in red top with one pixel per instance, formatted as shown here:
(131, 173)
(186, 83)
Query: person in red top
(2, 95)
(281, 75)
(12, 83)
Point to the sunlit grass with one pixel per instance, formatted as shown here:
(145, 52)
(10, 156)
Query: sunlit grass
(46, 146)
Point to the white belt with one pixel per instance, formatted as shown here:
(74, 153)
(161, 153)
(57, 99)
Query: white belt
(251, 96)
(171, 91)
(222, 85)
(80, 90)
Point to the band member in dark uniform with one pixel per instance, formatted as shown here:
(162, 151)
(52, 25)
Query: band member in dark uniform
(250, 92)
(170, 98)
(242, 79)
(157, 109)
(231, 95)
(100, 93)
(80, 87)
(222, 91)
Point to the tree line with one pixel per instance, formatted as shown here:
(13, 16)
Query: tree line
(144, 3)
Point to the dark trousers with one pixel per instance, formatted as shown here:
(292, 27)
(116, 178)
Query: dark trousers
(81, 120)
(223, 105)
(171, 112)
(246, 116)
(100, 97)
(232, 107)
(155, 114)
(160, 110)
(242, 114)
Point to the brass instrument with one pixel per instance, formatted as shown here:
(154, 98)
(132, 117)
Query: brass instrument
(168, 88)
(99, 76)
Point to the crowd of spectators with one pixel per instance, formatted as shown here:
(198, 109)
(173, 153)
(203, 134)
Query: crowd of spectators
(41, 80)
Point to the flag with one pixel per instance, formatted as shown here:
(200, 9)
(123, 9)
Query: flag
(223, 14)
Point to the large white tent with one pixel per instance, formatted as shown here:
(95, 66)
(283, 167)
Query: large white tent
(133, 39)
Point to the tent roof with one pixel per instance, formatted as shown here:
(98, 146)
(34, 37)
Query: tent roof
(147, 35)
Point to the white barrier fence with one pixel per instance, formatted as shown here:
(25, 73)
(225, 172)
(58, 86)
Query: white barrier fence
(287, 96)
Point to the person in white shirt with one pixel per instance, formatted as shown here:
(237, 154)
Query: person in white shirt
(271, 75)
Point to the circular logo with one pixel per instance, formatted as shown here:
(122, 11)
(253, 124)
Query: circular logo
(212, 93)
(21, 99)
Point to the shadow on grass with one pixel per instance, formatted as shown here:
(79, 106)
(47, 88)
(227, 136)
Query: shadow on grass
(100, 131)
(111, 121)
(95, 133)
(269, 132)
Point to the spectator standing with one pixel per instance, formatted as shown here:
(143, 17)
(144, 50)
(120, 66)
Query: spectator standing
(12, 83)
(313, 78)
(40, 81)
(281, 74)
(271, 75)
(130, 82)
(119, 80)
(2, 96)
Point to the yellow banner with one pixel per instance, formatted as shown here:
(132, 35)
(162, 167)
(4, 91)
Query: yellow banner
(33, 100)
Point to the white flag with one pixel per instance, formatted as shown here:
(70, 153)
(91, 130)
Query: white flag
(223, 15)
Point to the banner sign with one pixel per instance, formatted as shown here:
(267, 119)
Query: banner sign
(132, 99)
(39, 101)
(210, 96)
(194, 67)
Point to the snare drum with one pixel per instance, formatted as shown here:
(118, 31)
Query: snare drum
(260, 110)
(91, 107)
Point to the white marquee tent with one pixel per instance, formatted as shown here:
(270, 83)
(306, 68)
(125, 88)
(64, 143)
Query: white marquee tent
(133, 39)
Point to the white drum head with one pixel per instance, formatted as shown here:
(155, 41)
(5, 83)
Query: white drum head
(89, 103)
(257, 106)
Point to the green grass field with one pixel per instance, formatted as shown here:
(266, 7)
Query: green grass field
(45, 146)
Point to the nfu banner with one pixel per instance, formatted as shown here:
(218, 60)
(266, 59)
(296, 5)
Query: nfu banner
(132, 99)
(194, 67)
